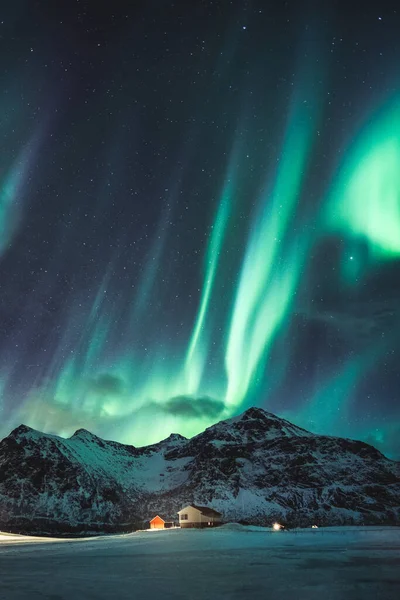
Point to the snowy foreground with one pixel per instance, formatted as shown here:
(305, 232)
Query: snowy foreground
(232, 562)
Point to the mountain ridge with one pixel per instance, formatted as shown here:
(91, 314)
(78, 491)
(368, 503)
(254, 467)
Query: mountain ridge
(253, 468)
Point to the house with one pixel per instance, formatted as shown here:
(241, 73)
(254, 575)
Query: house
(158, 523)
(199, 516)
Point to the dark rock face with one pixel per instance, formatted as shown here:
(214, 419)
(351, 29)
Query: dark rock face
(254, 468)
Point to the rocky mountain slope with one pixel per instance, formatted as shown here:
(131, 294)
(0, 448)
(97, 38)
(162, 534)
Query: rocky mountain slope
(254, 468)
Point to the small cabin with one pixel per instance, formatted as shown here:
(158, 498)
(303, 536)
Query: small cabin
(159, 523)
(199, 516)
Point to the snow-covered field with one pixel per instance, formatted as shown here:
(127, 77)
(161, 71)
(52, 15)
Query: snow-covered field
(231, 562)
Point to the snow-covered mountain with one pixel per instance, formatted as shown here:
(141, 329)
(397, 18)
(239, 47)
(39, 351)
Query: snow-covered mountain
(253, 468)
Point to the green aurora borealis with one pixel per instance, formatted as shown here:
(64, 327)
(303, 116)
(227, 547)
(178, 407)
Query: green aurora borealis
(251, 288)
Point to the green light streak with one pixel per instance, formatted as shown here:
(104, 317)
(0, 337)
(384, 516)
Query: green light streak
(11, 191)
(272, 265)
(7, 195)
(152, 269)
(365, 201)
(196, 355)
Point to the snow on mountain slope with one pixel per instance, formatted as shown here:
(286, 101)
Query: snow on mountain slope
(253, 468)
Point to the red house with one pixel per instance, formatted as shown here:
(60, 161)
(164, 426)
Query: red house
(157, 523)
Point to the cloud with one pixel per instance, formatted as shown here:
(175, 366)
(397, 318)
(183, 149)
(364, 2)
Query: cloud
(107, 385)
(193, 408)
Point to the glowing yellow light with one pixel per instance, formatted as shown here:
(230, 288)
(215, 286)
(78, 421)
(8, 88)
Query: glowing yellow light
(276, 527)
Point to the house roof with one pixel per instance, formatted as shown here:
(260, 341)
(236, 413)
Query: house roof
(207, 512)
(157, 517)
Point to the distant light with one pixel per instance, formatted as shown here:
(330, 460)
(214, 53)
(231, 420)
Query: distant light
(314, 526)
(351, 257)
(276, 526)
(244, 27)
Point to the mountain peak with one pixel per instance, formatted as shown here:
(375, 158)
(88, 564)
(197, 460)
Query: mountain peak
(84, 434)
(255, 425)
(22, 430)
(257, 413)
(172, 439)
(175, 437)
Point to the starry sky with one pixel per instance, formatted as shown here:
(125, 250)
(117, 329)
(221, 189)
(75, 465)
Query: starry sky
(199, 213)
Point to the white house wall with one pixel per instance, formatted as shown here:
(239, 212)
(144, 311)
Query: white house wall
(194, 515)
(205, 519)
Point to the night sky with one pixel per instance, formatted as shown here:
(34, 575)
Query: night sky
(200, 212)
